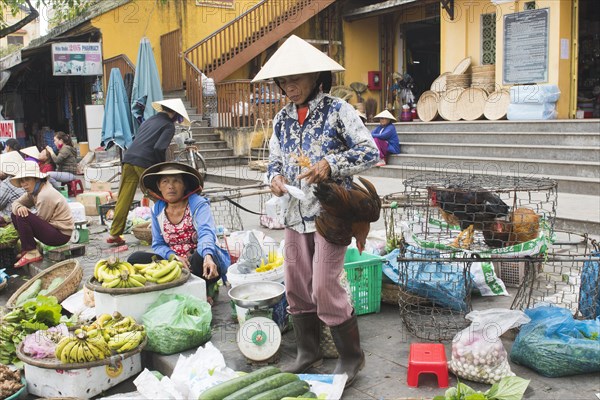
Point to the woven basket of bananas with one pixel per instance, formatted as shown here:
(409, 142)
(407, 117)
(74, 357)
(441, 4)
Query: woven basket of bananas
(113, 276)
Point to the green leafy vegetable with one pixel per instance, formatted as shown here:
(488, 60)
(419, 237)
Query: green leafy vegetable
(509, 388)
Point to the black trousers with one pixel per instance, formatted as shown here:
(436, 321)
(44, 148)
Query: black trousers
(196, 263)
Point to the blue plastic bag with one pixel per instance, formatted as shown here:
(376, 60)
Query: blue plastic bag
(589, 292)
(441, 282)
(554, 344)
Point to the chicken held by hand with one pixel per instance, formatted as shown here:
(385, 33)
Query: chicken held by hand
(347, 213)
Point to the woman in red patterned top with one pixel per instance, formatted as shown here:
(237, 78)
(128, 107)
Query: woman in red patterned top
(182, 223)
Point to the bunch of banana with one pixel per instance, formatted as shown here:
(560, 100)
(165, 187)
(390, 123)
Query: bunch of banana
(109, 326)
(162, 271)
(114, 273)
(83, 347)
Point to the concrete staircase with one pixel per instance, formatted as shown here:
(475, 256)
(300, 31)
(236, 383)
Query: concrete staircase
(215, 150)
(567, 151)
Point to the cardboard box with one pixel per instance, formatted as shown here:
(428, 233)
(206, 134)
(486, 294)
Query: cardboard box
(98, 186)
(135, 305)
(91, 201)
(82, 383)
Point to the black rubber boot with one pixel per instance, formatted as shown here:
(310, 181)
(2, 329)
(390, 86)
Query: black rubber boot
(307, 329)
(347, 341)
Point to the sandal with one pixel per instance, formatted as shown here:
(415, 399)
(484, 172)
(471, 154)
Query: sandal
(118, 240)
(23, 261)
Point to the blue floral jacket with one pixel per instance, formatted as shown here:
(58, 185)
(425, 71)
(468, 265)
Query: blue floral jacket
(332, 130)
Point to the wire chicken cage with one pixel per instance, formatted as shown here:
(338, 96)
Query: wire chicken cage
(448, 222)
(569, 277)
(225, 213)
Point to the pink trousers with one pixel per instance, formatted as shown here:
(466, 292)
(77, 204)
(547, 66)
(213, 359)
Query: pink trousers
(312, 277)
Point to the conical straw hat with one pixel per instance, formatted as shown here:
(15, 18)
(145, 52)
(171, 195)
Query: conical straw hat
(29, 169)
(385, 114)
(296, 56)
(175, 105)
(10, 163)
(32, 152)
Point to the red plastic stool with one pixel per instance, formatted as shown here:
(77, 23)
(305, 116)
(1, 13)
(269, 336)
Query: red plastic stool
(429, 358)
(75, 187)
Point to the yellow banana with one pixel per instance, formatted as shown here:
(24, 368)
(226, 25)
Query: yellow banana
(66, 350)
(133, 342)
(139, 278)
(150, 278)
(129, 267)
(100, 344)
(99, 264)
(80, 352)
(126, 321)
(61, 345)
(165, 270)
(170, 276)
(112, 283)
(103, 319)
(134, 283)
(93, 352)
(73, 352)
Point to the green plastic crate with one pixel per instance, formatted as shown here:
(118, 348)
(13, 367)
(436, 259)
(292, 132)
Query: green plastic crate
(364, 275)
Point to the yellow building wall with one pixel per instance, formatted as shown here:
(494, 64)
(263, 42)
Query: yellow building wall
(461, 38)
(123, 27)
(361, 55)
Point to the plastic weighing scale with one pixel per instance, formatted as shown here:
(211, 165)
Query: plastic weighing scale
(259, 337)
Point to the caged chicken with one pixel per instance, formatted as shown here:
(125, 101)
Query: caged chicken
(471, 208)
(522, 225)
(347, 213)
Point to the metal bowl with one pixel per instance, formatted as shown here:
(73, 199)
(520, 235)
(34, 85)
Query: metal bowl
(257, 294)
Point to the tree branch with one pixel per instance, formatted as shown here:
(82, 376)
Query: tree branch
(33, 14)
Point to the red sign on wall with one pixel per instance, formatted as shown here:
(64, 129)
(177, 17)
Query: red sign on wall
(7, 130)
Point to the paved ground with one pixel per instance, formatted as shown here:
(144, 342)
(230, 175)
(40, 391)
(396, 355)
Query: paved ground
(383, 335)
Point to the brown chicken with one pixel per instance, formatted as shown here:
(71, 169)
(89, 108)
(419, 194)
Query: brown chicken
(347, 213)
(523, 225)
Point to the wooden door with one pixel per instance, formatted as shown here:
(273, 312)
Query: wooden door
(171, 58)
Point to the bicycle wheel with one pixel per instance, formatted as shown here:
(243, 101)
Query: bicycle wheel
(198, 162)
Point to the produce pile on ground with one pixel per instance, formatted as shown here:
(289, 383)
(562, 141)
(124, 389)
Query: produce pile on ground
(113, 273)
(36, 314)
(10, 382)
(509, 388)
(8, 235)
(263, 384)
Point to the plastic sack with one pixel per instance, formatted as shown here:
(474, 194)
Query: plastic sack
(531, 111)
(441, 282)
(554, 344)
(527, 94)
(252, 254)
(477, 351)
(589, 292)
(42, 344)
(275, 209)
(176, 322)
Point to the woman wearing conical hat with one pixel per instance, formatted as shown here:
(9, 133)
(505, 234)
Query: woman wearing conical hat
(316, 137)
(385, 136)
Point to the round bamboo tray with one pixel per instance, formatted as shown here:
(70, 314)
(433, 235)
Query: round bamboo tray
(462, 66)
(458, 81)
(439, 85)
(143, 232)
(496, 105)
(427, 107)
(448, 104)
(70, 270)
(3, 284)
(483, 68)
(471, 103)
(96, 286)
(54, 363)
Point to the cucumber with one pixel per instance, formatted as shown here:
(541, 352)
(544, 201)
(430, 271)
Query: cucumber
(224, 389)
(30, 293)
(271, 382)
(290, 390)
(308, 395)
(56, 282)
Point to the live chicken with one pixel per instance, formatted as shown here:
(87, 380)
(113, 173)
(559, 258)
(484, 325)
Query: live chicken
(523, 225)
(469, 207)
(347, 213)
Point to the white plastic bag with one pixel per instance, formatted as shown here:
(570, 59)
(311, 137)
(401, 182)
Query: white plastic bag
(477, 351)
(252, 254)
(275, 209)
(527, 94)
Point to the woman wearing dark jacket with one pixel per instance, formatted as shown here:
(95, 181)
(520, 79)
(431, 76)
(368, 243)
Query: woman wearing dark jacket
(65, 160)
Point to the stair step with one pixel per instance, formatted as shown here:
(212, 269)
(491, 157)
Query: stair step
(211, 145)
(205, 137)
(584, 139)
(535, 152)
(214, 162)
(566, 184)
(443, 127)
(584, 169)
(216, 153)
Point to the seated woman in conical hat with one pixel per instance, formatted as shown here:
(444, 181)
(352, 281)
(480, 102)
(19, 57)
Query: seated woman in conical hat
(52, 224)
(182, 223)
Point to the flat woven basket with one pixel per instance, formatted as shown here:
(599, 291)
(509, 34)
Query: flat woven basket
(143, 232)
(3, 285)
(70, 270)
